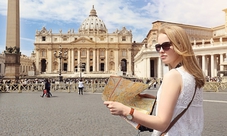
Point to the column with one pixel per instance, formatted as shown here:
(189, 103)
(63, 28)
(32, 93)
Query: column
(129, 54)
(98, 60)
(147, 68)
(78, 60)
(207, 66)
(212, 65)
(221, 66)
(49, 61)
(72, 60)
(106, 61)
(37, 61)
(88, 61)
(203, 64)
(69, 60)
(215, 65)
(94, 60)
(159, 69)
(116, 60)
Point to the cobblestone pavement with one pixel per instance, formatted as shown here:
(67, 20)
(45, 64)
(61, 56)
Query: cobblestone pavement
(70, 114)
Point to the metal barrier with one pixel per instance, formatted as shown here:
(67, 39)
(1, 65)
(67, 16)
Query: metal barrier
(215, 86)
(60, 87)
(88, 87)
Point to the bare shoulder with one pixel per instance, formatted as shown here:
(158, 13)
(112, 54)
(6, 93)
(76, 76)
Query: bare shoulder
(173, 74)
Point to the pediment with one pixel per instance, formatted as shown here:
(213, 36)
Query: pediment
(82, 40)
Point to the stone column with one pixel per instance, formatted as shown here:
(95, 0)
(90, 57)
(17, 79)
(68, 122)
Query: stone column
(98, 60)
(106, 61)
(160, 68)
(147, 68)
(78, 58)
(212, 65)
(12, 52)
(88, 60)
(204, 64)
(221, 61)
(215, 65)
(69, 59)
(94, 60)
(116, 51)
(129, 69)
(73, 60)
(49, 61)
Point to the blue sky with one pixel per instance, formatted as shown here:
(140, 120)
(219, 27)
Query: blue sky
(135, 15)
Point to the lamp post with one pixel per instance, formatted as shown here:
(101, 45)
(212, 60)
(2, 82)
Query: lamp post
(81, 68)
(60, 56)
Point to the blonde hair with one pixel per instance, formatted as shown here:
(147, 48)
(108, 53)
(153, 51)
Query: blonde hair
(182, 46)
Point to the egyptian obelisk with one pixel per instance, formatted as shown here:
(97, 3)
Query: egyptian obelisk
(12, 52)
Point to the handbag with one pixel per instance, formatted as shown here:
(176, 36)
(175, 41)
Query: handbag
(178, 116)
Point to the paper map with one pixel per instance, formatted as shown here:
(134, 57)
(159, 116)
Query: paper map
(126, 92)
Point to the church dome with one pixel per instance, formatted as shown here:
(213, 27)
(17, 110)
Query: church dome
(93, 24)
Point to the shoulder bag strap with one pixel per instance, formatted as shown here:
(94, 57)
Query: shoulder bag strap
(179, 115)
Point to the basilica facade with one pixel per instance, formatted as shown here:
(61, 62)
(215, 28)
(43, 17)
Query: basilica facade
(91, 50)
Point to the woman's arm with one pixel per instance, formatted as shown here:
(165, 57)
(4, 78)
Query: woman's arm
(147, 96)
(171, 87)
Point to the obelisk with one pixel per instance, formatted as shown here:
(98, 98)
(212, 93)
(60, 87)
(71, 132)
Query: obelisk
(12, 52)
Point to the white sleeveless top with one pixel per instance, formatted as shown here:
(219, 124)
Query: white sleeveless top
(191, 123)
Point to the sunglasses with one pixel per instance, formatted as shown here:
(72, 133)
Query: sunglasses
(165, 46)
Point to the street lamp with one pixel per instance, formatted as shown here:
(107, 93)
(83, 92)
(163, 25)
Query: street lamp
(81, 68)
(60, 56)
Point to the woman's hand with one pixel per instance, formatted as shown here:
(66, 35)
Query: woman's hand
(117, 108)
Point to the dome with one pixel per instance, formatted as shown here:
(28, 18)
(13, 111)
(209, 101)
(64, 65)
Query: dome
(93, 24)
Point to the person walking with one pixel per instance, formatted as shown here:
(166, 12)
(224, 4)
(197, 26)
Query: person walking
(181, 88)
(80, 86)
(46, 91)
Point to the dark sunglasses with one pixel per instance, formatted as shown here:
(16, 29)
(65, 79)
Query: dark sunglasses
(165, 46)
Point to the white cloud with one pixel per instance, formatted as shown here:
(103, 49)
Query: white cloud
(136, 15)
(27, 39)
(196, 12)
(26, 52)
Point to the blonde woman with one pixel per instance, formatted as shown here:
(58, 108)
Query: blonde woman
(176, 91)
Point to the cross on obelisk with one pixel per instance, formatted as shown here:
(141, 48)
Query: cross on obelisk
(12, 52)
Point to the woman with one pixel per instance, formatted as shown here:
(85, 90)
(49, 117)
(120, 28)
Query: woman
(176, 90)
(47, 88)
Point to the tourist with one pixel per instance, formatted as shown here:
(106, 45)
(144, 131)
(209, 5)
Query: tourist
(80, 86)
(176, 91)
(46, 91)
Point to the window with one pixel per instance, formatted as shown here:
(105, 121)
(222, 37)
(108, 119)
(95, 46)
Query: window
(91, 38)
(123, 38)
(55, 39)
(75, 53)
(83, 53)
(111, 39)
(123, 53)
(43, 38)
(43, 53)
(91, 53)
(101, 52)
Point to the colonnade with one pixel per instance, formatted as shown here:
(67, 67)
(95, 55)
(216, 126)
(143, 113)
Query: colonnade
(95, 60)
